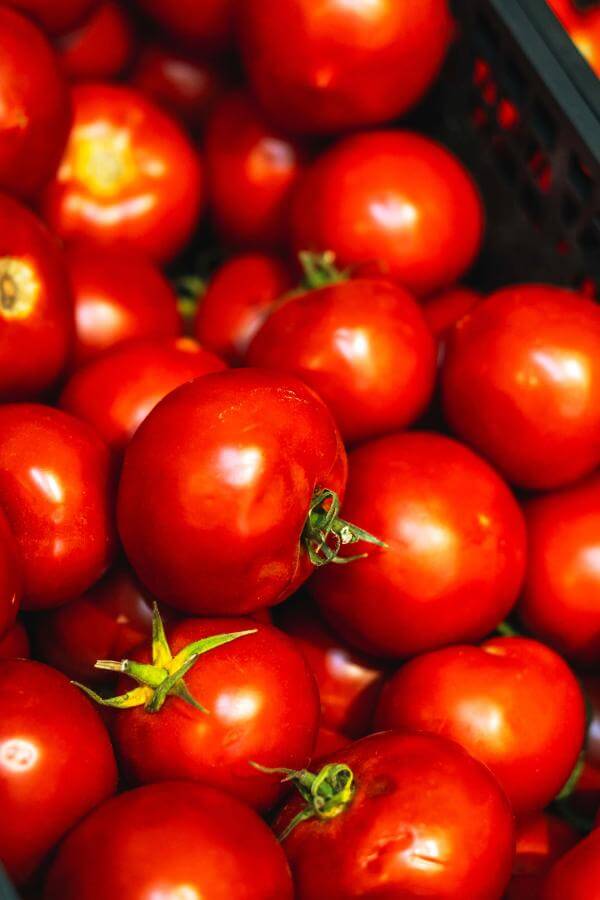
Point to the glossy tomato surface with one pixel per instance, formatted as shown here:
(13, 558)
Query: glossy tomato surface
(521, 383)
(496, 702)
(444, 310)
(363, 345)
(328, 741)
(56, 493)
(542, 838)
(35, 113)
(456, 548)
(325, 67)
(11, 581)
(576, 876)
(205, 24)
(101, 47)
(129, 175)
(216, 488)
(118, 389)
(395, 200)
(237, 301)
(56, 762)
(583, 27)
(171, 840)
(57, 16)
(426, 820)
(36, 312)
(14, 644)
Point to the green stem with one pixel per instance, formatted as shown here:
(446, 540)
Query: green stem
(320, 270)
(325, 533)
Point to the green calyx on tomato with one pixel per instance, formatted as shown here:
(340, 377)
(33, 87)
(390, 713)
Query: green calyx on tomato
(325, 533)
(164, 676)
(320, 270)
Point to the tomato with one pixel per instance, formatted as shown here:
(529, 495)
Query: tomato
(10, 577)
(576, 876)
(35, 112)
(101, 47)
(406, 815)
(129, 175)
(14, 644)
(56, 762)
(328, 740)
(217, 486)
(585, 798)
(456, 548)
(362, 345)
(115, 391)
(252, 169)
(541, 839)
(238, 299)
(207, 24)
(59, 15)
(561, 600)
(521, 383)
(443, 311)
(175, 840)
(322, 68)
(583, 27)
(396, 200)
(56, 493)
(495, 701)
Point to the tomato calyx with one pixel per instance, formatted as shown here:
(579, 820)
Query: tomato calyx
(325, 533)
(320, 270)
(190, 291)
(19, 288)
(164, 676)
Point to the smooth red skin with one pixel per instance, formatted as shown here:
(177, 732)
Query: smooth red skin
(204, 24)
(327, 67)
(396, 200)
(36, 111)
(263, 706)
(456, 548)
(521, 383)
(238, 299)
(443, 311)
(64, 769)
(117, 390)
(583, 28)
(542, 838)
(349, 682)
(328, 741)
(35, 348)
(56, 492)
(216, 487)
(57, 16)
(252, 169)
(102, 47)
(11, 580)
(426, 820)
(363, 345)
(494, 700)
(169, 840)
(561, 598)
(576, 876)
(118, 295)
(156, 205)
(14, 644)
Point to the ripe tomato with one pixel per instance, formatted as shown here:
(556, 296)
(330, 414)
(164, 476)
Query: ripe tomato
(420, 818)
(217, 486)
(495, 701)
(456, 548)
(322, 68)
(561, 600)
(541, 839)
(252, 169)
(129, 175)
(363, 345)
(349, 682)
(521, 382)
(393, 199)
(59, 15)
(207, 24)
(115, 391)
(56, 762)
(101, 47)
(238, 299)
(583, 27)
(14, 644)
(56, 492)
(328, 740)
(443, 311)
(36, 314)
(175, 840)
(35, 110)
(10, 577)
(576, 876)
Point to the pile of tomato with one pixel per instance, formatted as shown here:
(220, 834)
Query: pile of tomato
(299, 532)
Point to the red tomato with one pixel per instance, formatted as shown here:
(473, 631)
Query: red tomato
(216, 490)
(495, 701)
(576, 876)
(349, 683)
(118, 294)
(238, 298)
(334, 65)
(56, 492)
(56, 16)
(583, 27)
(36, 314)
(521, 382)
(328, 740)
(201, 23)
(561, 600)
(14, 644)
(396, 200)
(10, 577)
(56, 762)
(456, 548)
(421, 818)
(251, 169)
(443, 311)
(35, 110)
(541, 839)
(129, 175)
(362, 345)
(101, 47)
(117, 390)
(173, 840)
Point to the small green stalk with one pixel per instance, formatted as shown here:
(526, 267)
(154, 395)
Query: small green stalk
(320, 270)
(325, 533)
